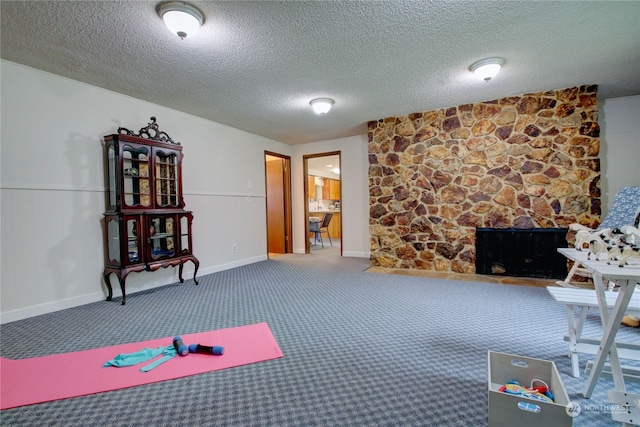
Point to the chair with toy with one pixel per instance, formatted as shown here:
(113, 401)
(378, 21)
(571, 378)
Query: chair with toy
(623, 215)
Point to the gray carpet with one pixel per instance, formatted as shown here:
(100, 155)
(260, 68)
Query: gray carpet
(360, 349)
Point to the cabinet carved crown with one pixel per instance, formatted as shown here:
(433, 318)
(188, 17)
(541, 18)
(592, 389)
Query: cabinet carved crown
(146, 226)
(151, 131)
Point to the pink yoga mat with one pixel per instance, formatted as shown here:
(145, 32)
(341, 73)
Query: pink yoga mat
(60, 376)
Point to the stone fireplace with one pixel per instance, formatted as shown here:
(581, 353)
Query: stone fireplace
(521, 162)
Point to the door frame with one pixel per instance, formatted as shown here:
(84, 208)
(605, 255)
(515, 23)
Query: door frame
(288, 210)
(305, 166)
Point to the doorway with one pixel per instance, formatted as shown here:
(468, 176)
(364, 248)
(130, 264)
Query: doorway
(323, 200)
(278, 203)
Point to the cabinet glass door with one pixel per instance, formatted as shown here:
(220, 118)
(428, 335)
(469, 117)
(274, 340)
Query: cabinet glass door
(113, 240)
(166, 178)
(133, 248)
(162, 237)
(185, 237)
(111, 176)
(135, 172)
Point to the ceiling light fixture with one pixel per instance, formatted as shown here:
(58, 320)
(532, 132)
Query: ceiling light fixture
(321, 105)
(487, 69)
(182, 19)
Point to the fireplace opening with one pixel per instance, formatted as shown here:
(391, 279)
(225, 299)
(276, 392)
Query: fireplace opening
(521, 252)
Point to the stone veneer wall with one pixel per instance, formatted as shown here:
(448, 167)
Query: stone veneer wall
(529, 161)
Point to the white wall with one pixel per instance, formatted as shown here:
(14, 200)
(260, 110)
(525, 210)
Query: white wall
(354, 198)
(52, 190)
(619, 121)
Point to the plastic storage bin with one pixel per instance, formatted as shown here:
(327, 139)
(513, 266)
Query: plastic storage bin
(512, 410)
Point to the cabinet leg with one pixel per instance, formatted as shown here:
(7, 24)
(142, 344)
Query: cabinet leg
(124, 296)
(197, 264)
(107, 281)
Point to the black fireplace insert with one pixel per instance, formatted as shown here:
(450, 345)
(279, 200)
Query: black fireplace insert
(521, 252)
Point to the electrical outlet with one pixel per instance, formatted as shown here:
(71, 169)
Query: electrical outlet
(233, 248)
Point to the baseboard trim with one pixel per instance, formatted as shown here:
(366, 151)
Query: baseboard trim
(37, 310)
(50, 307)
(356, 254)
(353, 254)
(229, 265)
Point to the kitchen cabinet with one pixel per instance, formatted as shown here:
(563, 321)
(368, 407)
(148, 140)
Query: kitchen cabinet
(325, 189)
(334, 189)
(330, 188)
(335, 226)
(311, 186)
(146, 226)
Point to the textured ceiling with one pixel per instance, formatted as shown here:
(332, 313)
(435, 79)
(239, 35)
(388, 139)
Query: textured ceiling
(256, 65)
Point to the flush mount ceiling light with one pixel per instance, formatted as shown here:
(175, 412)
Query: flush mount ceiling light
(321, 105)
(487, 69)
(182, 19)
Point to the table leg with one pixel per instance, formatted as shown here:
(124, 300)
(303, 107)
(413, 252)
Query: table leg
(575, 330)
(610, 325)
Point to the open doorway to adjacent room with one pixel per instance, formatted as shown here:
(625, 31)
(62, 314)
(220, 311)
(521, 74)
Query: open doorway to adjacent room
(323, 203)
(278, 203)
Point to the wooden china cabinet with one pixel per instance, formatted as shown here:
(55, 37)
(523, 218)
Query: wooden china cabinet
(146, 226)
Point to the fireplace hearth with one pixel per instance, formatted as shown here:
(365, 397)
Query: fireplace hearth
(521, 252)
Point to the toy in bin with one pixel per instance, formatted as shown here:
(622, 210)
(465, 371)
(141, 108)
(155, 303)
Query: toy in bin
(537, 392)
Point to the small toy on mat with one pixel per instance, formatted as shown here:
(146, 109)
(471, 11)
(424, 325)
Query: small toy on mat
(539, 392)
